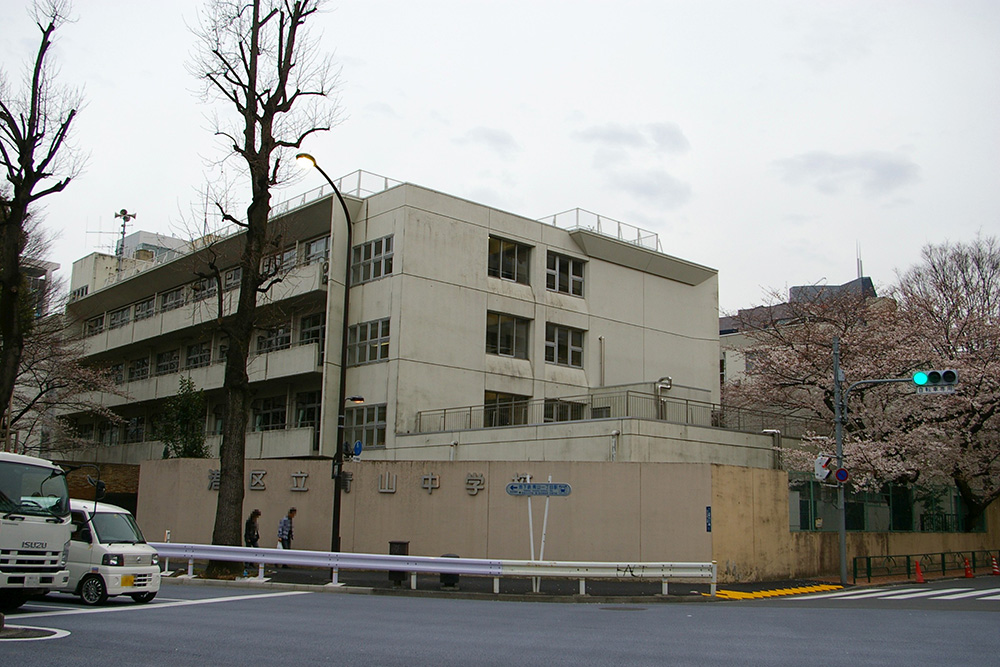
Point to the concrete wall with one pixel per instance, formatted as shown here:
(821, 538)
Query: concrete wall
(616, 512)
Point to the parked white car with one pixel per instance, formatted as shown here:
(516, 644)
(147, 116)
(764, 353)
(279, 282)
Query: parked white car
(108, 555)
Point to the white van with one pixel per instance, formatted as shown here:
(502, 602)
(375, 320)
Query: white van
(108, 555)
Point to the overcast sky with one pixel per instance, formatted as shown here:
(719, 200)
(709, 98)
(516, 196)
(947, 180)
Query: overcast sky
(765, 139)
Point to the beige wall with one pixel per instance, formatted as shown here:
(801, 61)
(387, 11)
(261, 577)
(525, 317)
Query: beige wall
(616, 512)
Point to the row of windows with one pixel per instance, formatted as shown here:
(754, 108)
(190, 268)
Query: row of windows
(312, 329)
(502, 409)
(314, 250)
(507, 335)
(509, 260)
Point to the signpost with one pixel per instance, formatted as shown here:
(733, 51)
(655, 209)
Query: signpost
(529, 489)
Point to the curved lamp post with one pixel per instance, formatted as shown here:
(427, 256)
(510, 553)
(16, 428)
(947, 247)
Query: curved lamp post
(307, 161)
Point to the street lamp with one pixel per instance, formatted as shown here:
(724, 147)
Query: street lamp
(307, 161)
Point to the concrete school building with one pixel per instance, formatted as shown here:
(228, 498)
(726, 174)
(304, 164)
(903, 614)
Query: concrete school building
(487, 347)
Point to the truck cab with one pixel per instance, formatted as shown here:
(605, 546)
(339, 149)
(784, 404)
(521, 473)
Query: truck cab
(108, 555)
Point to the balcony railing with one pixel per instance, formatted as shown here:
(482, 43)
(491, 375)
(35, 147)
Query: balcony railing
(618, 405)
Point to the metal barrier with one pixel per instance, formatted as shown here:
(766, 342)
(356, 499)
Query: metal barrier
(483, 567)
(932, 563)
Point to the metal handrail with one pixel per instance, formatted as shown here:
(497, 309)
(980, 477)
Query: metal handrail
(614, 405)
(496, 568)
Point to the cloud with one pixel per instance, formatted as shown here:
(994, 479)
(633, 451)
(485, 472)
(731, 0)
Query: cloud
(655, 187)
(499, 141)
(874, 173)
(660, 137)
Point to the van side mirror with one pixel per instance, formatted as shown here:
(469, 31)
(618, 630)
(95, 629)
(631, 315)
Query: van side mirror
(85, 536)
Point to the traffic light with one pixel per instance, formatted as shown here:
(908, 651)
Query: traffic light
(936, 381)
(821, 467)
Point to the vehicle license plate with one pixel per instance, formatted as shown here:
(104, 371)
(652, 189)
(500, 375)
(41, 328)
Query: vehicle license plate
(128, 580)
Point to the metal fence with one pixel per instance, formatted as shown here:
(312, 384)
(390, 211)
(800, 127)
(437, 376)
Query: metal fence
(612, 405)
(867, 567)
(336, 561)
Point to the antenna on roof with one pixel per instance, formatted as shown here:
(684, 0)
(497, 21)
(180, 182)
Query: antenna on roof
(861, 273)
(126, 217)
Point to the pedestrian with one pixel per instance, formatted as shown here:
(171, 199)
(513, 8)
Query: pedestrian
(251, 536)
(285, 530)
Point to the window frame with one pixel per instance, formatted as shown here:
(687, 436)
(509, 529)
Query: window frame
(372, 260)
(367, 423)
(167, 362)
(569, 281)
(561, 347)
(366, 337)
(499, 252)
(519, 334)
(270, 414)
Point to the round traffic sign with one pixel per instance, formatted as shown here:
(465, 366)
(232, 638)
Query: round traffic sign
(842, 475)
(357, 448)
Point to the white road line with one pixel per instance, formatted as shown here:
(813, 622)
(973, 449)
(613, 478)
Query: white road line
(849, 595)
(183, 603)
(926, 593)
(991, 597)
(880, 592)
(971, 594)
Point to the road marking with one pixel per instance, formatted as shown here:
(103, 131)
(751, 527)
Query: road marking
(56, 634)
(880, 592)
(182, 603)
(991, 597)
(841, 594)
(926, 593)
(970, 594)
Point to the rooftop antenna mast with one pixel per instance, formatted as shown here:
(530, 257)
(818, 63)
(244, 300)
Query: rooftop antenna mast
(126, 218)
(861, 272)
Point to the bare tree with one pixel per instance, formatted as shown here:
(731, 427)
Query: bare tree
(254, 56)
(35, 122)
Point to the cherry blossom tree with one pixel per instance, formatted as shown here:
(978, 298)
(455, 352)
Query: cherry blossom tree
(943, 313)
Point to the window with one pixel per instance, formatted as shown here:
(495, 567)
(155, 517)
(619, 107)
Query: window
(118, 373)
(501, 409)
(371, 261)
(231, 278)
(198, 355)
(278, 262)
(316, 250)
(509, 260)
(507, 335)
(269, 414)
(203, 289)
(563, 411)
(277, 338)
(564, 274)
(312, 329)
(135, 429)
(138, 369)
(172, 300)
(168, 362)
(223, 348)
(108, 434)
(145, 309)
(94, 325)
(563, 345)
(307, 408)
(368, 342)
(119, 318)
(367, 424)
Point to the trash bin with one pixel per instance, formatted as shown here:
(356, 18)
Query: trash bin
(449, 580)
(398, 549)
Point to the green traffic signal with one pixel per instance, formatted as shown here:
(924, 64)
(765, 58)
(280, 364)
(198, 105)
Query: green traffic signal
(920, 378)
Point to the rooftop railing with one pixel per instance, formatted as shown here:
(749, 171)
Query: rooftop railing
(578, 218)
(616, 405)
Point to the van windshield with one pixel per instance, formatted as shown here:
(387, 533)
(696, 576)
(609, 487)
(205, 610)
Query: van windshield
(116, 528)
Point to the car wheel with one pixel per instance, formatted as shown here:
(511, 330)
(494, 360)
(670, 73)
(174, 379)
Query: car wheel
(143, 598)
(11, 600)
(93, 590)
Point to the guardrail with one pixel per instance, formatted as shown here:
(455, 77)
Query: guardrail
(484, 567)
(866, 567)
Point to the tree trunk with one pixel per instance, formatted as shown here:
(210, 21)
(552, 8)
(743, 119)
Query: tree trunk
(12, 296)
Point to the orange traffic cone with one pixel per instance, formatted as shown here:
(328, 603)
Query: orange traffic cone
(996, 568)
(920, 574)
(968, 569)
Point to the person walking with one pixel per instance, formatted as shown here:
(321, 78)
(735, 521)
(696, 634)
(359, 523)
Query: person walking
(251, 536)
(285, 530)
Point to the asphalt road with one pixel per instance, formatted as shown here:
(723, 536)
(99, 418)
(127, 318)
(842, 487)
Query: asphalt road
(211, 625)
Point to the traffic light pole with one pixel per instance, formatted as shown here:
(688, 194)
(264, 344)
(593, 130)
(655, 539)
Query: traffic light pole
(839, 417)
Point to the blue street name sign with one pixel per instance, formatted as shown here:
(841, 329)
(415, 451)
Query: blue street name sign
(538, 489)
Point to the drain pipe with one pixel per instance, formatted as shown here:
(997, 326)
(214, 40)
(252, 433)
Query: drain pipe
(776, 438)
(614, 444)
(454, 450)
(600, 341)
